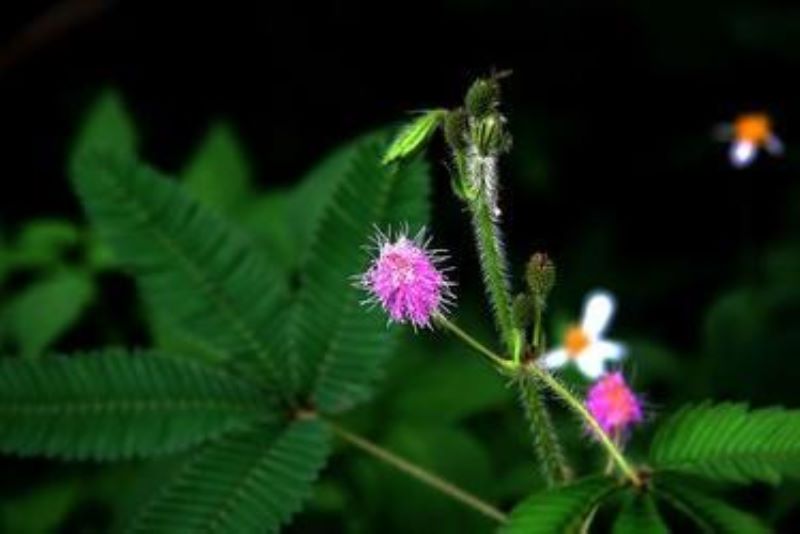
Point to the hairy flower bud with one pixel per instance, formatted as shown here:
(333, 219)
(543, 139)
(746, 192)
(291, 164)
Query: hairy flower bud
(483, 97)
(540, 275)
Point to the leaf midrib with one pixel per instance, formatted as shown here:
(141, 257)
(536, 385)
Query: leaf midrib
(212, 291)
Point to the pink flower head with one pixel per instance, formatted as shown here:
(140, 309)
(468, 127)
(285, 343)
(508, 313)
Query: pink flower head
(613, 404)
(406, 281)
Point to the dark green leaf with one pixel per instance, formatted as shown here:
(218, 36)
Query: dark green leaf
(730, 442)
(251, 482)
(197, 273)
(710, 513)
(47, 309)
(218, 174)
(107, 127)
(639, 515)
(561, 509)
(111, 405)
(43, 243)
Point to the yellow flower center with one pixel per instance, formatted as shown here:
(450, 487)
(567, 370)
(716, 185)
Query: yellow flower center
(754, 128)
(575, 341)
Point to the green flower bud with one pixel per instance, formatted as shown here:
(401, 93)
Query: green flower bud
(489, 135)
(483, 97)
(541, 276)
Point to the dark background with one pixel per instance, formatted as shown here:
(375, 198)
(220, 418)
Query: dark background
(614, 170)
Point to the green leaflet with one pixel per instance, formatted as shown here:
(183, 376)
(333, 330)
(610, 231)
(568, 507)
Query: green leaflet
(112, 405)
(197, 273)
(219, 175)
(639, 515)
(340, 345)
(248, 482)
(107, 127)
(560, 509)
(46, 309)
(710, 513)
(413, 135)
(729, 442)
(43, 243)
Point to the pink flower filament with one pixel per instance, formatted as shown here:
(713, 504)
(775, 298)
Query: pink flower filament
(406, 282)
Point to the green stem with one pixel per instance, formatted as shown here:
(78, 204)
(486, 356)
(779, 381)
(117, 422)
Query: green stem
(574, 404)
(537, 327)
(493, 358)
(426, 477)
(493, 265)
(548, 449)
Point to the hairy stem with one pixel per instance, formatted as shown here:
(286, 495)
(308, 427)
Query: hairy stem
(493, 265)
(573, 403)
(545, 440)
(426, 477)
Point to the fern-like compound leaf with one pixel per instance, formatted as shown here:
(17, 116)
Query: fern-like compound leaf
(730, 442)
(340, 345)
(250, 482)
(112, 405)
(197, 273)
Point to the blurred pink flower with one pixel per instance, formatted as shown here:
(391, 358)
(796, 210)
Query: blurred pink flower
(405, 279)
(613, 404)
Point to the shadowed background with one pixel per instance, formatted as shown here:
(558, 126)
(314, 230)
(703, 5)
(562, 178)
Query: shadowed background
(614, 172)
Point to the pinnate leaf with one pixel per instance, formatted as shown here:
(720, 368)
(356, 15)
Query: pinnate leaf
(730, 442)
(249, 482)
(112, 405)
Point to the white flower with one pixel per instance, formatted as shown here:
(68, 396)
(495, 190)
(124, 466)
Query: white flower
(584, 343)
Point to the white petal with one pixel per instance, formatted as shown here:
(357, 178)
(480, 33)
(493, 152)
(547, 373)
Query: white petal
(591, 364)
(742, 154)
(597, 313)
(774, 145)
(608, 350)
(554, 358)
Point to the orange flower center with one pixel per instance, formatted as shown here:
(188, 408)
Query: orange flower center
(754, 128)
(575, 341)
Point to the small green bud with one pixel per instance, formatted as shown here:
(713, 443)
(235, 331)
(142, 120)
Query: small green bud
(455, 129)
(483, 97)
(541, 276)
(522, 310)
(489, 135)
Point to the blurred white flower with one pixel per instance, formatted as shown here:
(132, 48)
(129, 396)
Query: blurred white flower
(747, 134)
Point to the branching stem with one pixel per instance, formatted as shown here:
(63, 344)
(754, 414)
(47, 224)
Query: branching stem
(426, 477)
(554, 385)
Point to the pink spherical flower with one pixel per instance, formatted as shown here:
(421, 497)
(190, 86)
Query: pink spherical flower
(613, 404)
(405, 279)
